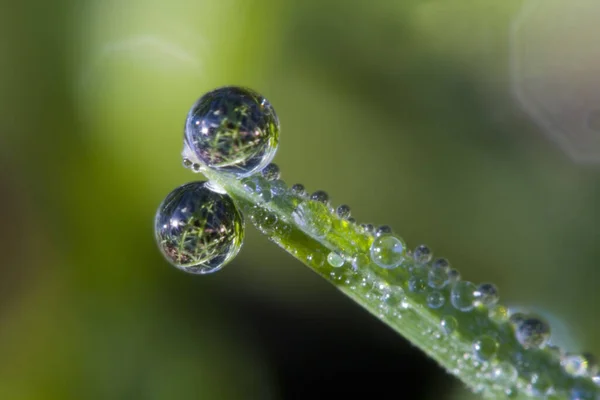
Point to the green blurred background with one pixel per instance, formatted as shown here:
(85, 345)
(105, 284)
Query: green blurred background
(469, 125)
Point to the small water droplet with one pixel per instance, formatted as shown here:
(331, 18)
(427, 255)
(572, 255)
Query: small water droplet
(453, 276)
(438, 278)
(298, 189)
(367, 228)
(387, 251)
(335, 260)
(435, 299)
(352, 220)
(422, 254)
(504, 374)
(498, 314)
(320, 196)
(441, 263)
(383, 230)
(198, 230)
(196, 167)
(343, 211)
(313, 217)
(257, 185)
(516, 318)
(271, 172)
(417, 284)
(579, 364)
(278, 187)
(539, 385)
(462, 296)
(487, 294)
(448, 324)
(533, 333)
(232, 129)
(485, 348)
(187, 163)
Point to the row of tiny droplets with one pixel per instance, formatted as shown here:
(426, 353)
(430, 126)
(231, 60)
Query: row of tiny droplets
(427, 275)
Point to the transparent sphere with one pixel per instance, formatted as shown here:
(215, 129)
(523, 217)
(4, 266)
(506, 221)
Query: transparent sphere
(232, 129)
(198, 230)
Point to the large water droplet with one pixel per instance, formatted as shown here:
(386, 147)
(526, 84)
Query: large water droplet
(232, 129)
(313, 217)
(198, 230)
(487, 294)
(485, 348)
(532, 333)
(387, 251)
(462, 296)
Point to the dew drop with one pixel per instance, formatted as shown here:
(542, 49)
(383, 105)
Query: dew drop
(438, 278)
(539, 385)
(196, 167)
(232, 129)
(383, 230)
(441, 263)
(352, 220)
(359, 261)
(313, 217)
(498, 314)
(448, 324)
(485, 348)
(367, 228)
(435, 299)
(487, 294)
(186, 162)
(320, 196)
(278, 187)
(343, 211)
(422, 254)
(198, 230)
(453, 276)
(335, 260)
(533, 333)
(579, 364)
(462, 296)
(298, 189)
(387, 251)
(504, 373)
(257, 185)
(417, 284)
(271, 172)
(516, 318)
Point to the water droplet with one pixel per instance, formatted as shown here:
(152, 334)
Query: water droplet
(320, 196)
(487, 294)
(422, 254)
(435, 299)
(383, 230)
(516, 318)
(504, 374)
(441, 263)
(387, 251)
(485, 348)
(448, 324)
(335, 260)
(367, 228)
(438, 278)
(232, 129)
(298, 189)
(257, 185)
(453, 276)
(498, 314)
(271, 172)
(352, 220)
(579, 364)
(196, 167)
(533, 333)
(186, 163)
(417, 283)
(313, 217)
(198, 230)
(462, 296)
(278, 187)
(343, 211)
